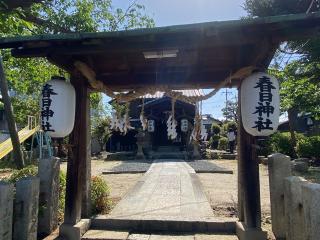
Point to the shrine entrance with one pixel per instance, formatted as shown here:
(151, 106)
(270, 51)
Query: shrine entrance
(160, 136)
(129, 64)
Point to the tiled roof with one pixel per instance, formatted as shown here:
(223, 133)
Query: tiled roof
(188, 93)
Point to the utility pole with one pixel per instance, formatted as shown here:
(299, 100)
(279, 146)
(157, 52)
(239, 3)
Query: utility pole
(17, 154)
(227, 92)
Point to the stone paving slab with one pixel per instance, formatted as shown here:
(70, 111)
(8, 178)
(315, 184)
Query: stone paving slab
(120, 235)
(142, 166)
(169, 197)
(105, 235)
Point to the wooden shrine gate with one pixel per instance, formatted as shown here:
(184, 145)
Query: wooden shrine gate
(206, 55)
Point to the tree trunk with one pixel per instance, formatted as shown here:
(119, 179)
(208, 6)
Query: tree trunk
(291, 116)
(17, 154)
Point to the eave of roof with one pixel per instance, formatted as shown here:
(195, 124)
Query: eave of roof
(208, 53)
(186, 92)
(18, 41)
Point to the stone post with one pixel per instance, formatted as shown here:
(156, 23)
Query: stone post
(49, 195)
(311, 206)
(293, 208)
(279, 166)
(196, 154)
(26, 209)
(140, 137)
(6, 210)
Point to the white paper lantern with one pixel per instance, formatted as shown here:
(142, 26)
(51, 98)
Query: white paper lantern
(260, 103)
(184, 125)
(151, 124)
(57, 107)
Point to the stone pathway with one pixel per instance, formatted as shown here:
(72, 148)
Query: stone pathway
(142, 166)
(120, 235)
(168, 197)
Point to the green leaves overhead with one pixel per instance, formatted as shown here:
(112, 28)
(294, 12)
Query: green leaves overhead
(26, 76)
(263, 8)
(300, 87)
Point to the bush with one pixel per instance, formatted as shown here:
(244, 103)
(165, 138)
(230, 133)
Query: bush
(232, 125)
(266, 147)
(30, 170)
(309, 147)
(215, 129)
(99, 195)
(223, 143)
(281, 142)
(62, 195)
(214, 141)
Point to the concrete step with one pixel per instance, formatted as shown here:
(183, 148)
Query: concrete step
(116, 235)
(216, 154)
(206, 226)
(120, 156)
(168, 156)
(173, 154)
(105, 235)
(168, 149)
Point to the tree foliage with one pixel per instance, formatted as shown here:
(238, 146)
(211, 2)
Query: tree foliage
(102, 131)
(230, 112)
(300, 87)
(263, 8)
(300, 79)
(26, 76)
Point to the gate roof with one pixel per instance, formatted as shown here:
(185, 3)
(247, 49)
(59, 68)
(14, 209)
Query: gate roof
(184, 57)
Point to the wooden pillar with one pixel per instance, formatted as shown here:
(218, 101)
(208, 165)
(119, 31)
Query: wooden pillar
(249, 186)
(86, 170)
(78, 155)
(240, 168)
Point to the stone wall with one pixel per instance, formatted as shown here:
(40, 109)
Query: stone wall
(21, 218)
(295, 202)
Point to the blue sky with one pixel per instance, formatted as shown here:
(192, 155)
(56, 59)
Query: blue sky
(175, 12)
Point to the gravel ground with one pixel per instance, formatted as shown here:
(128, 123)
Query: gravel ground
(204, 166)
(222, 192)
(132, 166)
(141, 166)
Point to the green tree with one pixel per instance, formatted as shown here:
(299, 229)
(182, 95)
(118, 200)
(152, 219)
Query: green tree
(263, 8)
(26, 76)
(230, 112)
(299, 92)
(102, 131)
(299, 79)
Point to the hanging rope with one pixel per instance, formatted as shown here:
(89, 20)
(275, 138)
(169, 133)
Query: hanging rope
(171, 122)
(139, 92)
(121, 123)
(143, 119)
(194, 137)
(126, 119)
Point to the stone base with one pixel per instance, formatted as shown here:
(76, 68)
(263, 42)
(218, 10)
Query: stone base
(140, 156)
(245, 233)
(74, 232)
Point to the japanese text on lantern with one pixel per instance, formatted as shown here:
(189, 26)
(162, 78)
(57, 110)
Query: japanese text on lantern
(46, 112)
(264, 108)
